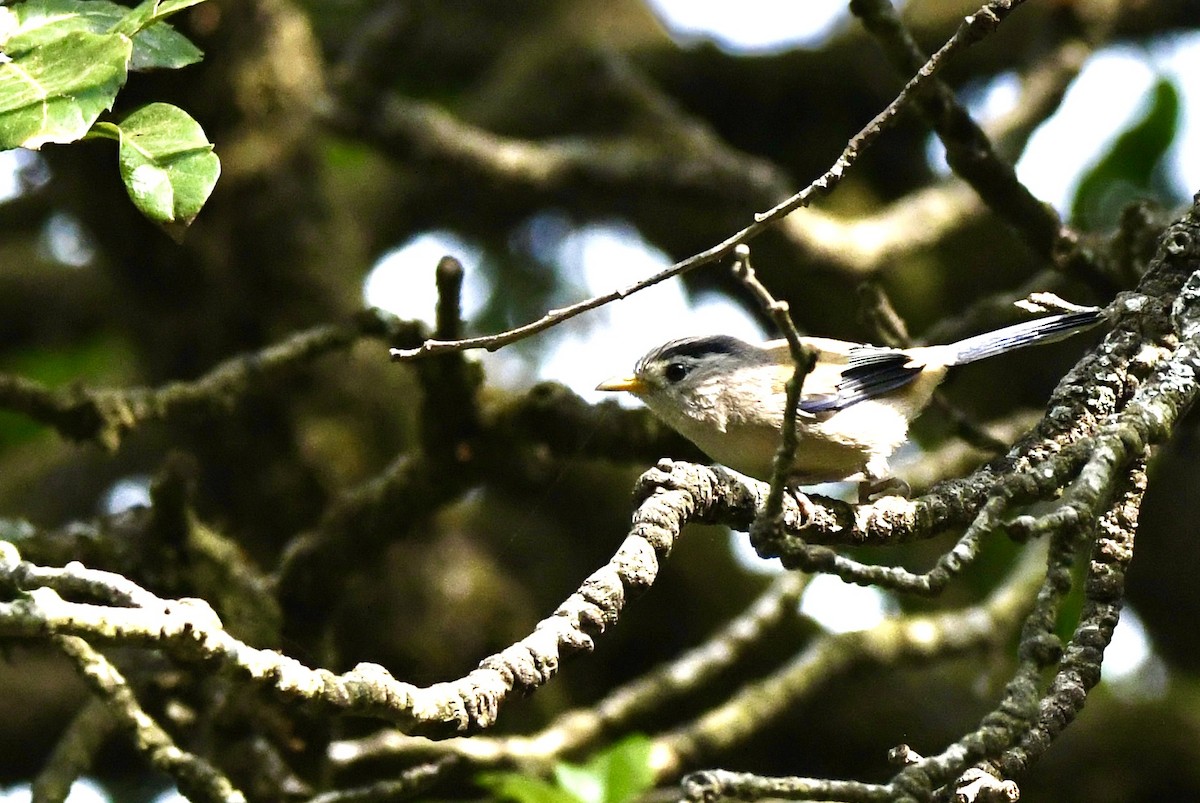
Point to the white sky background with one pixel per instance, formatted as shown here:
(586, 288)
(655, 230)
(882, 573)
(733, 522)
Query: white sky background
(751, 26)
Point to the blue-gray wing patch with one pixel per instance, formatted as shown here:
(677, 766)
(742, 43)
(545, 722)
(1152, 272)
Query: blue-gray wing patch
(869, 373)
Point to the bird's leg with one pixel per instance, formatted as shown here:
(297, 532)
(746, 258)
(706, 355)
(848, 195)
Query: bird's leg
(878, 481)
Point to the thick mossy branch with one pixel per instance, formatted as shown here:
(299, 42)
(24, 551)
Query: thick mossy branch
(1079, 668)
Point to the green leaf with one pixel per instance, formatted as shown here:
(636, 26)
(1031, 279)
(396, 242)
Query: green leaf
(161, 47)
(168, 7)
(167, 164)
(1128, 170)
(149, 13)
(9, 22)
(38, 23)
(583, 783)
(627, 769)
(614, 776)
(54, 93)
(523, 788)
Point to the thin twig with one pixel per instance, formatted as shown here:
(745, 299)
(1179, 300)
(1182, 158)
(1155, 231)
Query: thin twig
(74, 752)
(409, 783)
(972, 29)
(969, 152)
(804, 360)
(888, 324)
(196, 778)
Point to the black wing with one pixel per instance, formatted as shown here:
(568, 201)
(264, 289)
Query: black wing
(869, 373)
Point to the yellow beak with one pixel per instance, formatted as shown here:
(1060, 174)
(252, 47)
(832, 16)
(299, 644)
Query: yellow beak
(629, 384)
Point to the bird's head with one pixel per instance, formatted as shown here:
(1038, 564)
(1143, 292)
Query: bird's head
(692, 377)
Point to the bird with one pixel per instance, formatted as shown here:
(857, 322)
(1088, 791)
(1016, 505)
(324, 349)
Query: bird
(727, 396)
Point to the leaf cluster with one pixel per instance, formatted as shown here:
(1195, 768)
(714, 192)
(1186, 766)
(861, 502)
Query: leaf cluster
(62, 64)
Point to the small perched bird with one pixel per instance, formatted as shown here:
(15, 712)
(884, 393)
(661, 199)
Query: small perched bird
(727, 396)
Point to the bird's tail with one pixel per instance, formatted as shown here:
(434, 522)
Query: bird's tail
(1010, 338)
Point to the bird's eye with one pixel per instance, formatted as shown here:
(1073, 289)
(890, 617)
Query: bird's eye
(675, 371)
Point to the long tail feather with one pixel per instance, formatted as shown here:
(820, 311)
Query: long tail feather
(1042, 330)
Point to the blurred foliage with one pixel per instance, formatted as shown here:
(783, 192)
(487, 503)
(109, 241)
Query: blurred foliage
(617, 774)
(1133, 167)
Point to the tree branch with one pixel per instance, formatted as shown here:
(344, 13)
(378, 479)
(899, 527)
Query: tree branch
(106, 415)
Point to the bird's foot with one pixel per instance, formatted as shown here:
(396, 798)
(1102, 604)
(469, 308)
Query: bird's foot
(873, 489)
(806, 507)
